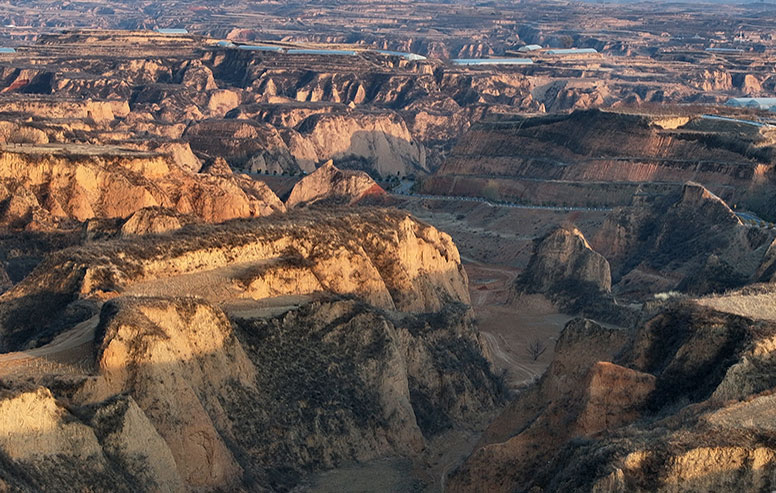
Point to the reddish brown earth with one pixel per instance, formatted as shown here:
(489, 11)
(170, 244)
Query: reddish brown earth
(171, 325)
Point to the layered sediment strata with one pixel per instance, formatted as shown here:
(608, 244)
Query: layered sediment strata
(599, 158)
(46, 184)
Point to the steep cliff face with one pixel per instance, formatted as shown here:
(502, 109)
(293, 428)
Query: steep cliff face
(172, 357)
(385, 257)
(381, 381)
(45, 443)
(244, 144)
(466, 88)
(529, 159)
(100, 112)
(670, 407)
(344, 337)
(378, 142)
(332, 185)
(41, 187)
(689, 240)
(608, 145)
(565, 256)
(573, 276)
(181, 154)
(545, 416)
(181, 399)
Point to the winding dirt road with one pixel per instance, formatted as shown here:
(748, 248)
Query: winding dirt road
(508, 327)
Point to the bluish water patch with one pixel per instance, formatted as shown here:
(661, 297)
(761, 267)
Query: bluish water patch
(408, 56)
(307, 51)
(492, 61)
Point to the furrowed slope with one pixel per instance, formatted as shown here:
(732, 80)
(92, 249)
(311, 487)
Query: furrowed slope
(680, 404)
(596, 157)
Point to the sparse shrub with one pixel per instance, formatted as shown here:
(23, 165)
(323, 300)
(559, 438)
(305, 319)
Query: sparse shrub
(536, 348)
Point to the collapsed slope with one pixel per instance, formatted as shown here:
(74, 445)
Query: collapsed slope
(677, 405)
(385, 257)
(41, 186)
(241, 355)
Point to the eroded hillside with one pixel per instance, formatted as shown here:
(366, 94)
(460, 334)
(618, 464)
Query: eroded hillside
(676, 406)
(198, 294)
(245, 354)
(601, 158)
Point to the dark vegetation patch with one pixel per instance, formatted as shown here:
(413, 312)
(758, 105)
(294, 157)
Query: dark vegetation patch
(584, 298)
(458, 370)
(22, 251)
(577, 465)
(25, 321)
(312, 386)
(715, 278)
(427, 414)
(317, 398)
(690, 349)
(733, 143)
(291, 258)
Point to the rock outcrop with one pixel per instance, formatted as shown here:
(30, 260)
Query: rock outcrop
(573, 276)
(244, 144)
(183, 398)
(378, 143)
(565, 257)
(331, 185)
(385, 257)
(49, 185)
(670, 407)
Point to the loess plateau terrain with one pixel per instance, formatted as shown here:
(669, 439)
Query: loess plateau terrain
(345, 247)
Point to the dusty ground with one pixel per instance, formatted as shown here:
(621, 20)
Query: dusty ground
(496, 243)
(393, 474)
(70, 352)
(493, 234)
(753, 305)
(509, 328)
(65, 149)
